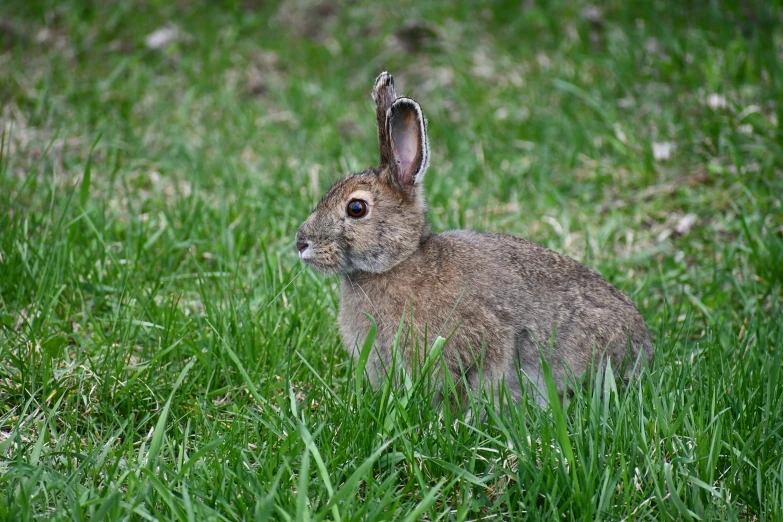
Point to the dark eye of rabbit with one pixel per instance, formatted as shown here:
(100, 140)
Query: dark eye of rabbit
(356, 208)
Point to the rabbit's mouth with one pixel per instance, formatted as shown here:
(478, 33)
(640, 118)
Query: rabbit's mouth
(318, 259)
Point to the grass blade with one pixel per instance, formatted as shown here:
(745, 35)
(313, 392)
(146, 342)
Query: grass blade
(160, 427)
(302, 499)
(84, 192)
(686, 513)
(364, 355)
(428, 500)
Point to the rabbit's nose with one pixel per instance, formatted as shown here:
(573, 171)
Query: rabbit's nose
(302, 245)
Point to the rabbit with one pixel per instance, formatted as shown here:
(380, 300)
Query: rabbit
(499, 299)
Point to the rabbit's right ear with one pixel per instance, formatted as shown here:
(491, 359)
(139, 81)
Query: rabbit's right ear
(408, 142)
(383, 95)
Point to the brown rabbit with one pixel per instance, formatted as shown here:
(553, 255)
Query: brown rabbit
(499, 297)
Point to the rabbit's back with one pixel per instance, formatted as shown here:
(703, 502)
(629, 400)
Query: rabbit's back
(548, 294)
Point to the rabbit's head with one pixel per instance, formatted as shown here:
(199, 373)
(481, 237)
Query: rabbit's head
(371, 221)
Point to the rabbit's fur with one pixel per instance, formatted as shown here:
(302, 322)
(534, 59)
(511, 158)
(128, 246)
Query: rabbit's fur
(500, 298)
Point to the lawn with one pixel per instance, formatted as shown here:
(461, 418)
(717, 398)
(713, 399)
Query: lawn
(164, 355)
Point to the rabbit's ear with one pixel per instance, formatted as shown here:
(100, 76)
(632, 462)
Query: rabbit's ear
(383, 95)
(409, 146)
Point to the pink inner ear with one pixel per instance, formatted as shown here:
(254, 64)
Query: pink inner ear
(405, 144)
(404, 159)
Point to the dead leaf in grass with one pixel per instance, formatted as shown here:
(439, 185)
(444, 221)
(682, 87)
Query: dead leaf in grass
(662, 151)
(716, 101)
(9, 35)
(685, 223)
(163, 37)
(416, 35)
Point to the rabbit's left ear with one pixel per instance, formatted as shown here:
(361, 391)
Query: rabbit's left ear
(383, 95)
(408, 142)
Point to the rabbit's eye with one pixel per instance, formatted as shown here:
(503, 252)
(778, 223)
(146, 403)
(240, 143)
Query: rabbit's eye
(356, 208)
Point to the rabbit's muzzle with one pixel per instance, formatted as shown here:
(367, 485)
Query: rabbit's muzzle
(320, 252)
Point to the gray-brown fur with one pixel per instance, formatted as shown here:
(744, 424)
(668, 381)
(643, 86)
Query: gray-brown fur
(497, 295)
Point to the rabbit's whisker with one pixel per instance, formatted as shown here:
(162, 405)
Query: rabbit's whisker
(283, 290)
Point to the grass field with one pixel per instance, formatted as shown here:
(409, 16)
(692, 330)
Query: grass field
(165, 356)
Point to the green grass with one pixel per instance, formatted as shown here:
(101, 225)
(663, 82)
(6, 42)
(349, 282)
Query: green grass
(164, 355)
